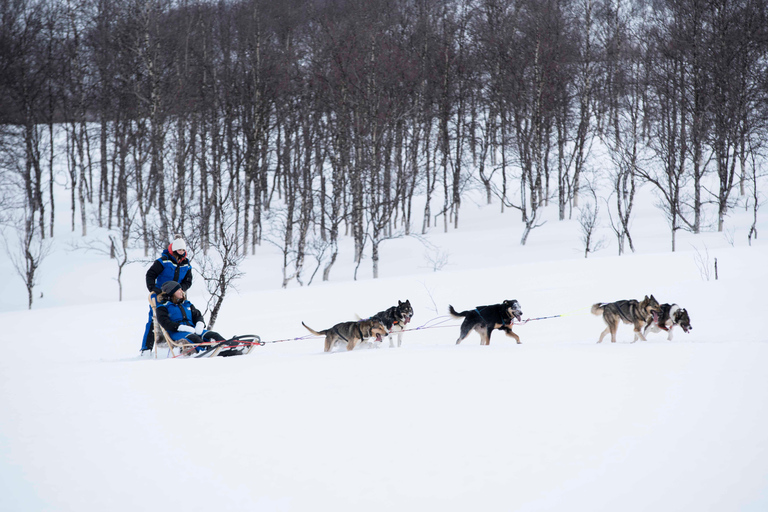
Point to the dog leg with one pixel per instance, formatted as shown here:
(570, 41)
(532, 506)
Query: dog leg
(482, 332)
(399, 339)
(606, 331)
(513, 335)
(647, 326)
(638, 333)
(328, 343)
(485, 336)
(613, 329)
(669, 336)
(464, 331)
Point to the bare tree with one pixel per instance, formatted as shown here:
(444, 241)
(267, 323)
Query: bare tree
(335, 114)
(11, 185)
(116, 247)
(588, 220)
(577, 90)
(625, 145)
(435, 258)
(670, 137)
(220, 268)
(280, 234)
(530, 102)
(757, 198)
(24, 69)
(27, 253)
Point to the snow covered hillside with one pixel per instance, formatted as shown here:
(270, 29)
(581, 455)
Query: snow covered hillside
(556, 423)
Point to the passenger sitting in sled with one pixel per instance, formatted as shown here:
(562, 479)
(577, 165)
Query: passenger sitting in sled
(180, 318)
(172, 265)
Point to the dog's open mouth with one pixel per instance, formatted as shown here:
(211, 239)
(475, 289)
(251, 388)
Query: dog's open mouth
(518, 315)
(686, 328)
(378, 337)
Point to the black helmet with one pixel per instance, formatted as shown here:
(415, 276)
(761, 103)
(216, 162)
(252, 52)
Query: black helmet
(170, 287)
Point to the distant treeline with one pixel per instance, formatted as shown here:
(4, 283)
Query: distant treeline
(329, 116)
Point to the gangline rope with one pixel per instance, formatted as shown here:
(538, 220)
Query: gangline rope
(437, 323)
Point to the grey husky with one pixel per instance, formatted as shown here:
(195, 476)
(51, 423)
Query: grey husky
(637, 313)
(350, 332)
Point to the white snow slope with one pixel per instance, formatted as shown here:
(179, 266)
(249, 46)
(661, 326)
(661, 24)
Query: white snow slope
(556, 423)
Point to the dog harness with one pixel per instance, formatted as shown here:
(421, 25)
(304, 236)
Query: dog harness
(624, 316)
(336, 330)
(503, 321)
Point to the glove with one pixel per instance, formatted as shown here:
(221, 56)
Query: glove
(185, 328)
(199, 326)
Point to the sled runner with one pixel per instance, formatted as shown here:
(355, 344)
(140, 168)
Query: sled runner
(238, 345)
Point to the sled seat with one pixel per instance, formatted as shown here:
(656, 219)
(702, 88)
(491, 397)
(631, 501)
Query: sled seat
(184, 346)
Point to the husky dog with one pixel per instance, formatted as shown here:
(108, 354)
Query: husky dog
(484, 319)
(628, 311)
(350, 332)
(395, 319)
(670, 316)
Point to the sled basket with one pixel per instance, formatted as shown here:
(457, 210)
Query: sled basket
(238, 345)
(161, 335)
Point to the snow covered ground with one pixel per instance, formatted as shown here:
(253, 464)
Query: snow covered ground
(557, 423)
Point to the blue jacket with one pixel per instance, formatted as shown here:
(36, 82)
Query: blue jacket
(171, 316)
(168, 268)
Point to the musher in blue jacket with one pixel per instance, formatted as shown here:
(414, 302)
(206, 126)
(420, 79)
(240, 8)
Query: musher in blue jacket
(172, 265)
(180, 318)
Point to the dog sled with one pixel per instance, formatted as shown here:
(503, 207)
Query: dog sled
(235, 346)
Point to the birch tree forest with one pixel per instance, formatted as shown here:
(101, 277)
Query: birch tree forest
(300, 123)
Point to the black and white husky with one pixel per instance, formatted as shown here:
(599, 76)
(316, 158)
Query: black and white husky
(395, 319)
(484, 319)
(671, 315)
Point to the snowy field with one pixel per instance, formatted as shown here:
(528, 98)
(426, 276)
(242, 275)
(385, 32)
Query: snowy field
(556, 423)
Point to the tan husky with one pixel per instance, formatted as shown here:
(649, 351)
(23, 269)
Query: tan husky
(350, 332)
(628, 311)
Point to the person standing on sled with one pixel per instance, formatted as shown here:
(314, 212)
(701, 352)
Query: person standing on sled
(180, 318)
(172, 265)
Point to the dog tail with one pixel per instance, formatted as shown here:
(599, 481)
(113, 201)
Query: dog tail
(321, 333)
(455, 313)
(598, 308)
